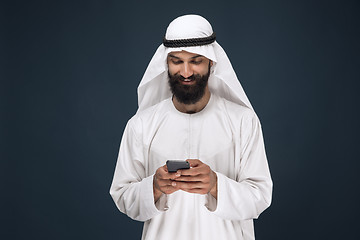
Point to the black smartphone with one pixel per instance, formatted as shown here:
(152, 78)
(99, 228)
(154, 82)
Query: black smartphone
(174, 165)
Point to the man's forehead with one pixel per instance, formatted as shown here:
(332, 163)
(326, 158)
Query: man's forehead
(184, 54)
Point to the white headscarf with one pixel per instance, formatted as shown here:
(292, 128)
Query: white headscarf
(223, 82)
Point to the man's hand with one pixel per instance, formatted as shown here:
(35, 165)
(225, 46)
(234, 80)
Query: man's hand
(198, 179)
(164, 182)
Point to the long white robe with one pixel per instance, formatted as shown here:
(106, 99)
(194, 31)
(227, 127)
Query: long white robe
(225, 136)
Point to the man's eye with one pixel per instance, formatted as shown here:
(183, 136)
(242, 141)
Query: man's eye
(196, 62)
(176, 62)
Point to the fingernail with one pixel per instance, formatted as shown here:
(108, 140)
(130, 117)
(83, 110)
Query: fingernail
(177, 174)
(173, 184)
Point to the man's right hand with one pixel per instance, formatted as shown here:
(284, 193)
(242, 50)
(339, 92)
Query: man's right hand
(163, 182)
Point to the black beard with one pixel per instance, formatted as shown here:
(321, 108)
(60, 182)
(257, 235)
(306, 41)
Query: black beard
(188, 94)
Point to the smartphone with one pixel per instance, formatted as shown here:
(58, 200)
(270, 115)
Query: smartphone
(174, 165)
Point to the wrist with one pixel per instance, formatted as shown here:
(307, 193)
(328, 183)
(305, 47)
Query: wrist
(157, 193)
(213, 190)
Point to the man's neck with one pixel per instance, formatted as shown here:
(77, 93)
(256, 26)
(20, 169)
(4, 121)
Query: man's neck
(193, 108)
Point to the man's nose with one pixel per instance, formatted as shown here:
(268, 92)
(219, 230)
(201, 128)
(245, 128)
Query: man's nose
(186, 70)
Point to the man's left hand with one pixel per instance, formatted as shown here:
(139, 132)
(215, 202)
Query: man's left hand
(198, 179)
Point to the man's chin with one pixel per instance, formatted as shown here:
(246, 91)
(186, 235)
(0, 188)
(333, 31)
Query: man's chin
(187, 98)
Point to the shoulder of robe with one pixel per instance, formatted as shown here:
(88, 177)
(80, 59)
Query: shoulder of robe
(242, 118)
(147, 115)
(238, 111)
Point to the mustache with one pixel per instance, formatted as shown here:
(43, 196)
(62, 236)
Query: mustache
(181, 78)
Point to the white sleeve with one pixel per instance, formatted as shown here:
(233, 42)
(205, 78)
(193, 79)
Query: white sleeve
(250, 194)
(131, 189)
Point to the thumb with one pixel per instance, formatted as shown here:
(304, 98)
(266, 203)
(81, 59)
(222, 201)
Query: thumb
(194, 162)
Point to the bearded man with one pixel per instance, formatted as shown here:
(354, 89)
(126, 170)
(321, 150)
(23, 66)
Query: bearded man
(192, 107)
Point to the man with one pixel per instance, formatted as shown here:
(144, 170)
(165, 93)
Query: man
(192, 107)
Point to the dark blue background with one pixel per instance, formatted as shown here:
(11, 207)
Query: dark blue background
(69, 73)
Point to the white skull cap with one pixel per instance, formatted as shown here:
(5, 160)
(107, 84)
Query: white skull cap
(188, 26)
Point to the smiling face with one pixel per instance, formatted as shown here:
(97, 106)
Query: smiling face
(188, 75)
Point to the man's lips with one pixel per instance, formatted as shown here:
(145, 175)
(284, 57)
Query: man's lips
(187, 82)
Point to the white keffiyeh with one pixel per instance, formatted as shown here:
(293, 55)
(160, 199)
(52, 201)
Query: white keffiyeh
(223, 82)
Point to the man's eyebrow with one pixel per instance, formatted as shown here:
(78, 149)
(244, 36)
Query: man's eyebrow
(196, 56)
(173, 56)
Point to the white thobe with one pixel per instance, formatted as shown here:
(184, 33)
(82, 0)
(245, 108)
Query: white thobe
(223, 135)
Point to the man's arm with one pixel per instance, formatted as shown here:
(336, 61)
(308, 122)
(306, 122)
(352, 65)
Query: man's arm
(240, 199)
(131, 189)
(250, 193)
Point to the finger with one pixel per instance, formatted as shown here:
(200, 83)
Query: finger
(198, 166)
(164, 182)
(190, 185)
(168, 189)
(164, 170)
(166, 175)
(198, 178)
(189, 172)
(197, 190)
(194, 162)
(201, 169)
(160, 172)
